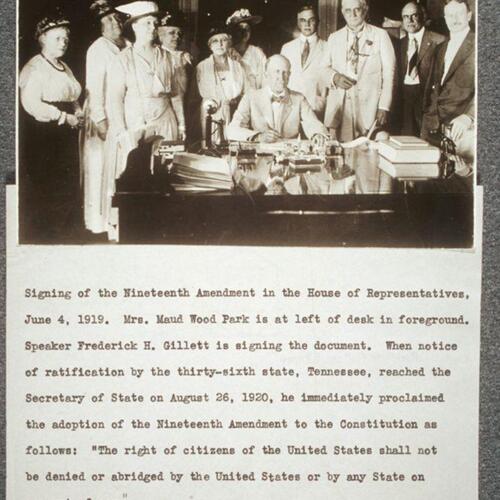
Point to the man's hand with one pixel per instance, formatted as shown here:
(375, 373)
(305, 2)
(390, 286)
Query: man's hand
(459, 126)
(182, 133)
(102, 129)
(268, 136)
(382, 117)
(342, 81)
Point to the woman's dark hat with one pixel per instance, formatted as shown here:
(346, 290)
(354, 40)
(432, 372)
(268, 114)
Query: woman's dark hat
(243, 16)
(218, 29)
(101, 8)
(51, 22)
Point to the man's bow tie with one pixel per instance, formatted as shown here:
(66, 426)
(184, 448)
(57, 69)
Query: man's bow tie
(277, 98)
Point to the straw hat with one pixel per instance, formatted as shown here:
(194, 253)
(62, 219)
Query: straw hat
(136, 10)
(243, 16)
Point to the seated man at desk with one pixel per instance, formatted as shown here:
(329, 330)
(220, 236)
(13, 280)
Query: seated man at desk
(274, 113)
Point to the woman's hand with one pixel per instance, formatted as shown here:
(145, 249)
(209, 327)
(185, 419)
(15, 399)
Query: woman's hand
(73, 121)
(80, 115)
(102, 129)
(234, 54)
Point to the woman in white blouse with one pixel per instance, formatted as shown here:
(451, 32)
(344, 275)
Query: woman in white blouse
(99, 56)
(143, 99)
(250, 56)
(221, 80)
(49, 173)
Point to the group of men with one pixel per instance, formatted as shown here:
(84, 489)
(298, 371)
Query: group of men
(363, 79)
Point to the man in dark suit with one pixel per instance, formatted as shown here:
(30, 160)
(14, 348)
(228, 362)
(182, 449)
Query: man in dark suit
(415, 60)
(450, 93)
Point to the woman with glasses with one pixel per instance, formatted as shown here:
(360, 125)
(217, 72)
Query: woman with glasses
(221, 80)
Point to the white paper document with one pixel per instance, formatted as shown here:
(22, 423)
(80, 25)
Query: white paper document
(222, 373)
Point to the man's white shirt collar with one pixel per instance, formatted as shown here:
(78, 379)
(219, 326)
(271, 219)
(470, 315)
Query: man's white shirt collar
(273, 94)
(359, 32)
(418, 36)
(312, 39)
(458, 38)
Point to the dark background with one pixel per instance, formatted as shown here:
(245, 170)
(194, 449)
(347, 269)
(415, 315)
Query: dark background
(276, 28)
(279, 21)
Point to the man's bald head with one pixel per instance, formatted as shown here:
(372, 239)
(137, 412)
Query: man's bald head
(278, 73)
(279, 60)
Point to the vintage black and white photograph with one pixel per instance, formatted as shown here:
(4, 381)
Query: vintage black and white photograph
(267, 122)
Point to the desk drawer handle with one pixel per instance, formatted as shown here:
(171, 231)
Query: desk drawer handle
(328, 212)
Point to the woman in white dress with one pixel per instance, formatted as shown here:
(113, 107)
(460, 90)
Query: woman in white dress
(221, 80)
(144, 100)
(99, 56)
(250, 56)
(49, 202)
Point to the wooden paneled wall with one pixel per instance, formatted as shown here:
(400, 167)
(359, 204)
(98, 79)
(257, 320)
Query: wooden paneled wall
(328, 15)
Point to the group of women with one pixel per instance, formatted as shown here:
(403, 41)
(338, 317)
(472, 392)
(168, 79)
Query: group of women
(137, 86)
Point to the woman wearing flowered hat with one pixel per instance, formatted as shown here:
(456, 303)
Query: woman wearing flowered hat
(144, 99)
(221, 79)
(251, 57)
(99, 56)
(49, 186)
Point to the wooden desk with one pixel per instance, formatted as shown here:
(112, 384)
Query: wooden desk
(368, 208)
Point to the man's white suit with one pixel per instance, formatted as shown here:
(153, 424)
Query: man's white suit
(308, 80)
(376, 77)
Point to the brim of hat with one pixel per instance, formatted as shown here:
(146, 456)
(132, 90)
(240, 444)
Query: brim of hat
(250, 20)
(172, 25)
(132, 19)
(219, 33)
(65, 24)
(110, 11)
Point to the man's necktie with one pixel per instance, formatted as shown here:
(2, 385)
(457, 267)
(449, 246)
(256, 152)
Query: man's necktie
(413, 59)
(354, 54)
(305, 52)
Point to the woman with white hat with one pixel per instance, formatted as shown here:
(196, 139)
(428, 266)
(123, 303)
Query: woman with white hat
(250, 56)
(50, 117)
(144, 99)
(221, 80)
(99, 56)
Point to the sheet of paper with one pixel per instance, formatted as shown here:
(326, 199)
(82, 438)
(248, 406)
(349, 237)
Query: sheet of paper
(220, 373)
